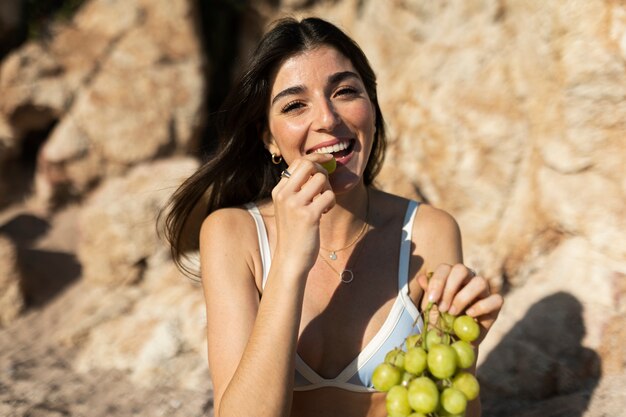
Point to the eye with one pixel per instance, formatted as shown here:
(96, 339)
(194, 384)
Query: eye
(291, 106)
(342, 91)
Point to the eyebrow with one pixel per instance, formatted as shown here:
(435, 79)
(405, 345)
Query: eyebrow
(297, 89)
(340, 76)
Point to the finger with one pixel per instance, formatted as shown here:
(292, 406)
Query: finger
(487, 306)
(315, 158)
(485, 323)
(314, 186)
(475, 289)
(324, 201)
(437, 283)
(301, 173)
(284, 179)
(459, 276)
(422, 280)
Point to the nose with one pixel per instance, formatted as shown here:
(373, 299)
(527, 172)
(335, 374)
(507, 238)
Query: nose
(326, 116)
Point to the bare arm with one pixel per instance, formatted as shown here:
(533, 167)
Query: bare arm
(252, 341)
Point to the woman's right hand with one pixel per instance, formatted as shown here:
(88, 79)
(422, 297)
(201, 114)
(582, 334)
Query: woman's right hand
(299, 202)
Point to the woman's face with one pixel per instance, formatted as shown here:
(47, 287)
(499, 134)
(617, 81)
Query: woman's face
(318, 103)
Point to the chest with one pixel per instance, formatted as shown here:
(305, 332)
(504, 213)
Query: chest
(339, 320)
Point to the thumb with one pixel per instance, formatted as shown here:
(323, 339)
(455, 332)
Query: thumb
(422, 279)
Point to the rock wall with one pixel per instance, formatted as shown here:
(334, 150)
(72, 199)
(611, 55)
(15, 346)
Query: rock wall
(11, 297)
(508, 114)
(117, 58)
(113, 104)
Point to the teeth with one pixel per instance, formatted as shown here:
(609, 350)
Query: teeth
(334, 148)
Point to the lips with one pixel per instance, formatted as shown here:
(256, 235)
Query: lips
(338, 147)
(341, 149)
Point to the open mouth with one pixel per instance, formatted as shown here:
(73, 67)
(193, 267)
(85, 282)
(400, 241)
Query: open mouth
(338, 150)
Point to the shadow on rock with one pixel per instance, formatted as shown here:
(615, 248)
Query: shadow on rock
(45, 274)
(540, 367)
(24, 229)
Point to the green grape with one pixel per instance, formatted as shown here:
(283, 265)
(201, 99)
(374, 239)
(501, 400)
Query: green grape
(467, 384)
(447, 321)
(415, 360)
(443, 413)
(453, 401)
(386, 376)
(466, 328)
(442, 361)
(413, 340)
(397, 402)
(330, 166)
(464, 353)
(423, 380)
(436, 337)
(395, 357)
(423, 395)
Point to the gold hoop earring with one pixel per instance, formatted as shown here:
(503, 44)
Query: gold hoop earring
(276, 159)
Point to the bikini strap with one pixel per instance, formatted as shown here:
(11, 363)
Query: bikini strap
(406, 247)
(264, 244)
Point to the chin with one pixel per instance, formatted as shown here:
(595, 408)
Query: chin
(345, 183)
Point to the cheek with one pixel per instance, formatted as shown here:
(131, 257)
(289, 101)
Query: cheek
(362, 116)
(288, 132)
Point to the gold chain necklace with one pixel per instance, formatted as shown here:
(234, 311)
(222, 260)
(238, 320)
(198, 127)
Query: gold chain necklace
(346, 276)
(333, 253)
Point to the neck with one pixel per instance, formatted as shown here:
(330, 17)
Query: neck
(345, 220)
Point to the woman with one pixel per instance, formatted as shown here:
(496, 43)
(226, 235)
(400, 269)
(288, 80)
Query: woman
(310, 277)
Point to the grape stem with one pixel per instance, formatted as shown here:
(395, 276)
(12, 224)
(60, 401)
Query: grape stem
(426, 315)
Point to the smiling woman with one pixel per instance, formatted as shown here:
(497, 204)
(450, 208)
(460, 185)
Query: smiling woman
(320, 91)
(311, 276)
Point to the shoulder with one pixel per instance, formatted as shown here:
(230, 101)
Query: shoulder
(226, 224)
(227, 237)
(430, 220)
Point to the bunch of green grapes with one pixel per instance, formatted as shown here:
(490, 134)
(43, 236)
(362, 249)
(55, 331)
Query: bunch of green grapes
(429, 377)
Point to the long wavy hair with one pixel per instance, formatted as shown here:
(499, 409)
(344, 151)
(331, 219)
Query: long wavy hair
(240, 170)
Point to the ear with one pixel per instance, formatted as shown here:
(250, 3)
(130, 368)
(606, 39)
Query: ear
(270, 143)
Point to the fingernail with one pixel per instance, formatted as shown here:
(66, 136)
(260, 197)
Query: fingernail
(453, 311)
(431, 297)
(443, 307)
(470, 312)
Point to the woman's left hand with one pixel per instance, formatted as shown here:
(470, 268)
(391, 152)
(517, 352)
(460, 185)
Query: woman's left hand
(456, 289)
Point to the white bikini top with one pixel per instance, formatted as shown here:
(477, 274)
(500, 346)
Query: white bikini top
(403, 319)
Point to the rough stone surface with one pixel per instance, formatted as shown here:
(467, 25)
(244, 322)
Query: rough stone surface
(11, 298)
(93, 74)
(162, 342)
(39, 377)
(8, 152)
(8, 146)
(11, 24)
(117, 225)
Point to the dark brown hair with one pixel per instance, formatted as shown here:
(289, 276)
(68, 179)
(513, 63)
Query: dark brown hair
(240, 170)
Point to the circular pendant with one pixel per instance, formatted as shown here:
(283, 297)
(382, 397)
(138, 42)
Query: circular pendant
(346, 276)
(333, 256)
